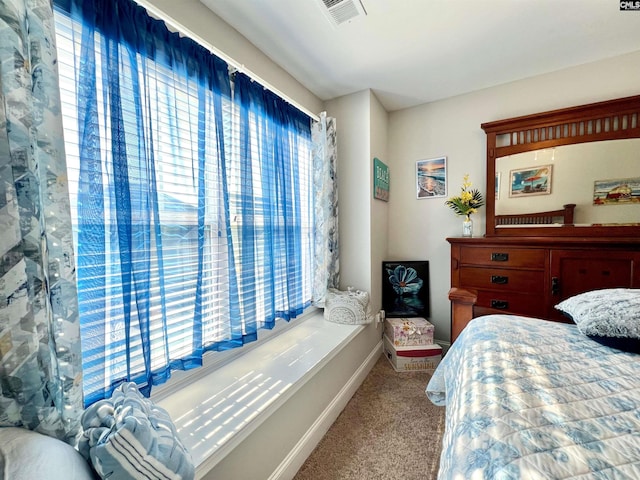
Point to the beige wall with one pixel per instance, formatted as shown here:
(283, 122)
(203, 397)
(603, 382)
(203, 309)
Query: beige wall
(451, 127)
(362, 125)
(379, 209)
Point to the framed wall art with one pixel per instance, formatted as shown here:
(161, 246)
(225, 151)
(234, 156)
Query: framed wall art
(405, 288)
(431, 178)
(616, 192)
(530, 181)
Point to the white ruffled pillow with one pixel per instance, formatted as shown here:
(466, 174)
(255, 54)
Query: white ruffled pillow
(349, 307)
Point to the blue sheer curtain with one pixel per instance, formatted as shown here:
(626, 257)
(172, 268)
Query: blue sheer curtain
(192, 203)
(273, 204)
(152, 227)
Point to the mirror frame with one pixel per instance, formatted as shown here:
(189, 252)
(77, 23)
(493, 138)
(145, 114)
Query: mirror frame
(609, 120)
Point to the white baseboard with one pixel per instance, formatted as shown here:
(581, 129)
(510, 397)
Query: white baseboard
(296, 458)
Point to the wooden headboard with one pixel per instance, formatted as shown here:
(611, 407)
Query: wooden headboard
(564, 216)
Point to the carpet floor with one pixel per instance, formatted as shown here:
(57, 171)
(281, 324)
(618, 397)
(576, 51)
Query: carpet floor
(389, 429)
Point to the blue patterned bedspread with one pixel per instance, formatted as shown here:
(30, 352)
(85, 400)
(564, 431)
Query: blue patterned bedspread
(530, 399)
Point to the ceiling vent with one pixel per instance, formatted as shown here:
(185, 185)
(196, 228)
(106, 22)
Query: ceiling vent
(343, 11)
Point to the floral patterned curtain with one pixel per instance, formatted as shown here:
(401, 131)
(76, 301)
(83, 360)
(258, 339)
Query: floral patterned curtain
(40, 356)
(326, 264)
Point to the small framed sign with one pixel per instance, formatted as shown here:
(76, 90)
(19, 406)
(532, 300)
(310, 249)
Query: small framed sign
(380, 180)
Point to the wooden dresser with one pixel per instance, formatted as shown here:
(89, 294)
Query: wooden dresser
(528, 276)
(530, 260)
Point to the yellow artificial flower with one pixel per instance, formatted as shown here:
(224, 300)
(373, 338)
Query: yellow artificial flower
(468, 201)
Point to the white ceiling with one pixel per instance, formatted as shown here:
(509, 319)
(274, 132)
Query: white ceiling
(415, 51)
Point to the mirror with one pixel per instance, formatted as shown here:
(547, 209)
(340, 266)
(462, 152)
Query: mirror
(597, 177)
(587, 155)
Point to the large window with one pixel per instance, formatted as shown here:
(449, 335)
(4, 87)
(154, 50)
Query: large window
(190, 195)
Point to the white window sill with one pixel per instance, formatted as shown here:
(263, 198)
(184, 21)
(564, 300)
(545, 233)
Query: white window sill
(218, 409)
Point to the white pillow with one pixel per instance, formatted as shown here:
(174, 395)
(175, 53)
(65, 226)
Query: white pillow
(28, 455)
(612, 312)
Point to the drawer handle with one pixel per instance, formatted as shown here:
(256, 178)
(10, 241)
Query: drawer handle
(499, 304)
(555, 286)
(499, 279)
(499, 257)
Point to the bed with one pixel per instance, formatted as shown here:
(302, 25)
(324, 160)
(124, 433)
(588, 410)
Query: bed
(533, 399)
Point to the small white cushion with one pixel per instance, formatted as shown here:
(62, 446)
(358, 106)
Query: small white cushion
(27, 455)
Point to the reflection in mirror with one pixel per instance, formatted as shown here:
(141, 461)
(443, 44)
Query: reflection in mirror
(596, 176)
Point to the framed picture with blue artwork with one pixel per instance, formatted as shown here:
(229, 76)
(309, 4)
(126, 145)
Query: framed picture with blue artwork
(405, 288)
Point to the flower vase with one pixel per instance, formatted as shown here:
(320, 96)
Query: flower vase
(467, 226)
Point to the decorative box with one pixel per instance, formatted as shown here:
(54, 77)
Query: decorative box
(423, 358)
(406, 332)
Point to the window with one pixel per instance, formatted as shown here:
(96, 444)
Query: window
(190, 197)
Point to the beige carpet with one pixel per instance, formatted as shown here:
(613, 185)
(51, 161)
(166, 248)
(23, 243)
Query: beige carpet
(389, 429)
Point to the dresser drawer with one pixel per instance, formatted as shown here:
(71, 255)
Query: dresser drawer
(510, 302)
(504, 280)
(501, 257)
